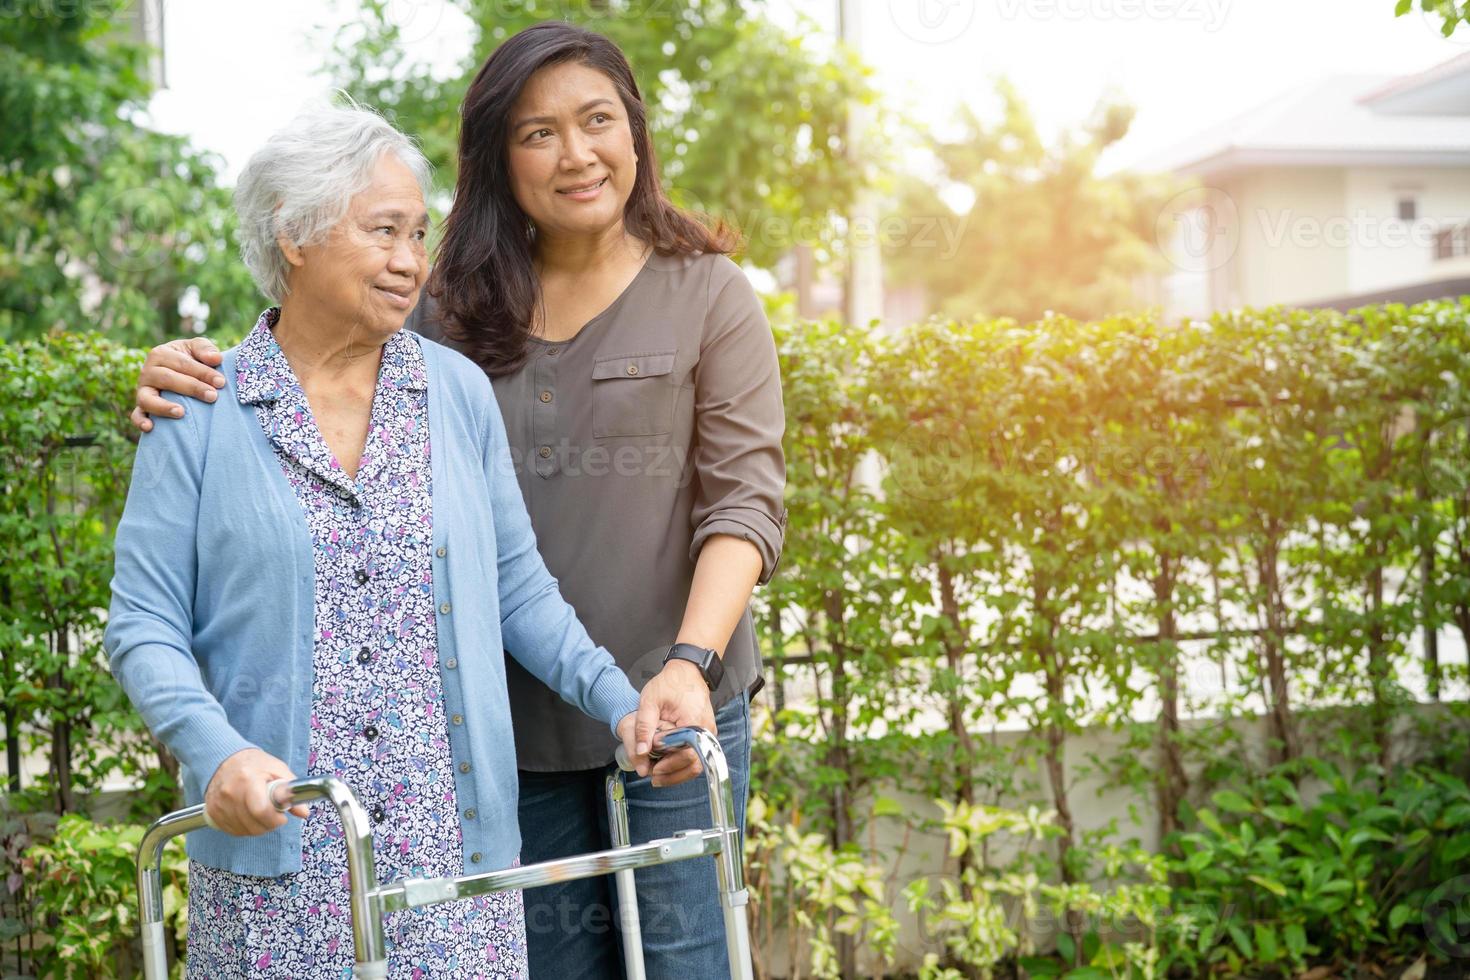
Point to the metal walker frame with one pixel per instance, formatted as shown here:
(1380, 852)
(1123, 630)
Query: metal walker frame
(370, 901)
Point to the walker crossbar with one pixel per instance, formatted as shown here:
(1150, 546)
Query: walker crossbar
(369, 901)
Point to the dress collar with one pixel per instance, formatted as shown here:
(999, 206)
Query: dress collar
(262, 373)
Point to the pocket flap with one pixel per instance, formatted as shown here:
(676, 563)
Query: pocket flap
(646, 365)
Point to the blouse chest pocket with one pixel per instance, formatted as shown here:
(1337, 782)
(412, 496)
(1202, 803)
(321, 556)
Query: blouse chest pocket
(633, 394)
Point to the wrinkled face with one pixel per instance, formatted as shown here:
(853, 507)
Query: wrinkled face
(570, 152)
(368, 272)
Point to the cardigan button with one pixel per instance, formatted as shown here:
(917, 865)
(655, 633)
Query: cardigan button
(469, 814)
(475, 858)
(465, 767)
(442, 552)
(457, 719)
(451, 663)
(444, 608)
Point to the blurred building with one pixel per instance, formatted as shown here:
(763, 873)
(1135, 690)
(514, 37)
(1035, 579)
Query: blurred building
(1352, 190)
(141, 21)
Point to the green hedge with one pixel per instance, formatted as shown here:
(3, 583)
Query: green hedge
(1060, 525)
(1050, 525)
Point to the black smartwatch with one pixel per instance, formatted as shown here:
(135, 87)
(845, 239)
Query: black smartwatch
(709, 663)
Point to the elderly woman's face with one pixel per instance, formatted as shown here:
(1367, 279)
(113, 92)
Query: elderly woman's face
(369, 271)
(571, 157)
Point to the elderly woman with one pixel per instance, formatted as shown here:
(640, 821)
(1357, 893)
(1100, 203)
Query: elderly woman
(640, 388)
(320, 572)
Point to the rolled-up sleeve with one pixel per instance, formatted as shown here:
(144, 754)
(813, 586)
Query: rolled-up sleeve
(739, 422)
(149, 631)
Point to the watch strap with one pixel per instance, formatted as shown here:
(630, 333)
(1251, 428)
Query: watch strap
(708, 661)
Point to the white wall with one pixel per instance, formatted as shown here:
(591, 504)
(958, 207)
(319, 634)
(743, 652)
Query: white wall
(1385, 252)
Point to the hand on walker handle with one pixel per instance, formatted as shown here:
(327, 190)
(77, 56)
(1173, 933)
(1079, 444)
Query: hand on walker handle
(675, 697)
(660, 761)
(238, 799)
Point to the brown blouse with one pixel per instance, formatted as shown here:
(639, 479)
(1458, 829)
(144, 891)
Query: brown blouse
(656, 426)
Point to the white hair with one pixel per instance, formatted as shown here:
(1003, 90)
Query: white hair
(300, 184)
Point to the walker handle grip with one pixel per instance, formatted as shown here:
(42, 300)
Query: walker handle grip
(669, 741)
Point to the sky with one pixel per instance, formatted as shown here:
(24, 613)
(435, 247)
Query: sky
(236, 72)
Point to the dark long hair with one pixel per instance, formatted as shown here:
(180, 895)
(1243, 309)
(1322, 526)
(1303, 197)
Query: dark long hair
(483, 279)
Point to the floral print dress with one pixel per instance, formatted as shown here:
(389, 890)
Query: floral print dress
(377, 718)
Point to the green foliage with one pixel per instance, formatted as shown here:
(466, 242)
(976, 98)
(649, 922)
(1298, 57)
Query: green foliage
(705, 69)
(85, 891)
(825, 892)
(66, 458)
(1277, 879)
(1450, 13)
(1044, 232)
(1057, 524)
(104, 224)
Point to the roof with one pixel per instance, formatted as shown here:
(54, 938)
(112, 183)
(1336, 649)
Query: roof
(1339, 120)
(1442, 90)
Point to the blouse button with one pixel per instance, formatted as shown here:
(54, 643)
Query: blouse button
(632, 369)
(370, 732)
(362, 576)
(378, 813)
(545, 397)
(364, 655)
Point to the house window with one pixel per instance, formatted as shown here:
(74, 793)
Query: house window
(1452, 242)
(1408, 208)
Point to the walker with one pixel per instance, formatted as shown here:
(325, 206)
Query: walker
(369, 901)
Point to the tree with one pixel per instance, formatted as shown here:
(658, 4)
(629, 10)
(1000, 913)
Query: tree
(104, 224)
(707, 69)
(1450, 12)
(1045, 233)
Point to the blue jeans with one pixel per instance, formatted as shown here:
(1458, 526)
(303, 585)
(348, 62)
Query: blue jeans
(571, 927)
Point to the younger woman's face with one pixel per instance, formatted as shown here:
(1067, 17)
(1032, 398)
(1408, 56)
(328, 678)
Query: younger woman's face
(571, 158)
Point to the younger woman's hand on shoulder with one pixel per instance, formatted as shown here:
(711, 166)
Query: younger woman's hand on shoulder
(185, 367)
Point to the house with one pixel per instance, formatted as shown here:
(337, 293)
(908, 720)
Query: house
(1351, 190)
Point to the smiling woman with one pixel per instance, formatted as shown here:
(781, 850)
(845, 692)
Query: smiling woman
(364, 634)
(638, 380)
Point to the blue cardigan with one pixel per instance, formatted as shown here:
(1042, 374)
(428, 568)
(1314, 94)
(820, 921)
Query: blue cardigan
(210, 628)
